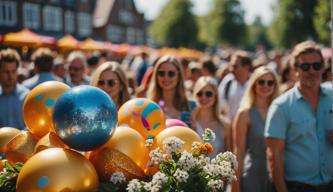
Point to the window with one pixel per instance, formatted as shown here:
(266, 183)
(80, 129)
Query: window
(130, 35)
(114, 33)
(139, 36)
(52, 18)
(8, 13)
(31, 15)
(125, 17)
(69, 22)
(84, 24)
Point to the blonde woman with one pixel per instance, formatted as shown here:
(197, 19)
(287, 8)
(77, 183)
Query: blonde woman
(111, 78)
(248, 132)
(207, 115)
(167, 89)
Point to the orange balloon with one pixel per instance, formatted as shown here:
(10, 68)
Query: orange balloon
(2, 164)
(7, 134)
(57, 169)
(20, 148)
(143, 115)
(184, 133)
(108, 160)
(50, 140)
(38, 107)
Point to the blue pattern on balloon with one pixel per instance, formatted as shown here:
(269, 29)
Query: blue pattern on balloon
(49, 102)
(39, 97)
(43, 182)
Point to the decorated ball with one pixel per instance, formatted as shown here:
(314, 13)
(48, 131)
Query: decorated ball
(57, 169)
(7, 134)
(85, 117)
(38, 107)
(143, 115)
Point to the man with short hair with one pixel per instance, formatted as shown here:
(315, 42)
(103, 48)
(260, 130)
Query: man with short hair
(76, 64)
(232, 87)
(43, 64)
(299, 128)
(12, 94)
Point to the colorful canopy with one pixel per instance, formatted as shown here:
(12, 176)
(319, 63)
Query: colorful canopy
(90, 45)
(26, 37)
(68, 42)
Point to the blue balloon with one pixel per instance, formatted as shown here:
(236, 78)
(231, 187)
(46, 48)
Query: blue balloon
(85, 117)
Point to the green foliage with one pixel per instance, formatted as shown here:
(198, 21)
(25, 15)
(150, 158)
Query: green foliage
(227, 23)
(8, 177)
(322, 21)
(257, 32)
(293, 23)
(176, 25)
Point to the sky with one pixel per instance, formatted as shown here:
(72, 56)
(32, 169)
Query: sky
(151, 8)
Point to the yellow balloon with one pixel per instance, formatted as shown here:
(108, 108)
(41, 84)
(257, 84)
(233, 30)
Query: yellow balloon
(128, 142)
(20, 148)
(57, 169)
(38, 107)
(50, 140)
(107, 161)
(7, 134)
(184, 133)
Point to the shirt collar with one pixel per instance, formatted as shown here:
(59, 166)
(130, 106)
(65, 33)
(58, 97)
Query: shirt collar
(299, 95)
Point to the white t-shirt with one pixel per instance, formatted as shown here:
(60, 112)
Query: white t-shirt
(235, 95)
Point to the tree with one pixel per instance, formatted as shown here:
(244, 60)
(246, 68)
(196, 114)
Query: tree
(294, 23)
(322, 21)
(227, 23)
(258, 34)
(176, 26)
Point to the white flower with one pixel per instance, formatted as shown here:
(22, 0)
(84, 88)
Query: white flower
(209, 135)
(215, 185)
(134, 186)
(172, 144)
(227, 156)
(149, 143)
(118, 177)
(147, 186)
(180, 175)
(203, 160)
(159, 179)
(156, 156)
(195, 145)
(187, 161)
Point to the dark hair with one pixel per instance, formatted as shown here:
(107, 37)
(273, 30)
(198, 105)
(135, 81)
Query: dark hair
(43, 59)
(244, 57)
(304, 48)
(209, 65)
(9, 55)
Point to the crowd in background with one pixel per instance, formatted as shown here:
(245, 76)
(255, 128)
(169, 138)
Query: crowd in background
(279, 103)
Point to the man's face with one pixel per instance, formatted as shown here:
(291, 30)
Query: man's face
(237, 68)
(8, 74)
(76, 70)
(310, 69)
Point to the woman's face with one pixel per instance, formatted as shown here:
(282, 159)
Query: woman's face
(167, 76)
(265, 85)
(110, 83)
(206, 97)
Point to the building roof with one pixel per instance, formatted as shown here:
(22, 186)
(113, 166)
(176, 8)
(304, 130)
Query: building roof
(102, 12)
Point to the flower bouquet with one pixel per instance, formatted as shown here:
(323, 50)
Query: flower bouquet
(181, 170)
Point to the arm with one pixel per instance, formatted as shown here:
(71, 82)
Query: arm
(275, 152)
(240, 128)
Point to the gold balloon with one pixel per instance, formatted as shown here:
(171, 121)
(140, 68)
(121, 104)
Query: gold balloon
(57, 169)
(2, 164)
(108, 160)
(7, 134)
(20, 148)
(129, 143)
(184, 133)
(50, 140)
(38, 107)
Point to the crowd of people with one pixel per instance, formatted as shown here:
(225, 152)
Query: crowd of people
(274, 111)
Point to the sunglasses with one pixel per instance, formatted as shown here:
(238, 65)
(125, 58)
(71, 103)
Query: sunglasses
(262, 82)
(110, 82)
(315, 65)
(206, 93)
(168, 73)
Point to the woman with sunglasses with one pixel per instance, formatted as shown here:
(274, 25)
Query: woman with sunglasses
(207, 115)
(248, 132)
(167, 89)
(111, 78)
